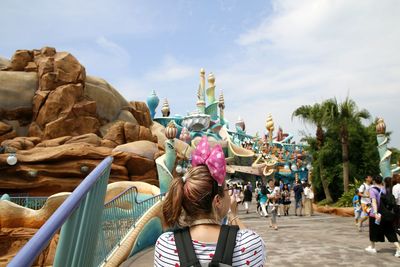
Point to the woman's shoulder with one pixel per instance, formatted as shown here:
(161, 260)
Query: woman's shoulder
(250, 249)
(167, 237)
(247, 235)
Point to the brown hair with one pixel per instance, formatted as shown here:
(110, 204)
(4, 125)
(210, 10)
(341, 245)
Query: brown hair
(194, 196)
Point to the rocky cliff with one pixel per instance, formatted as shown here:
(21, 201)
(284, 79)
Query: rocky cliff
(61, 123)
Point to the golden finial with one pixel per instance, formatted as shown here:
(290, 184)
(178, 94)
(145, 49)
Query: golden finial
(221, 101)
(211, 79)
(380, 126)
(270, 123)
(170, 130)
(165, 108)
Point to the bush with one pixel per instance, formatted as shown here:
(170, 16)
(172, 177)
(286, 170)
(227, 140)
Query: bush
(346, 200)
(323, 202)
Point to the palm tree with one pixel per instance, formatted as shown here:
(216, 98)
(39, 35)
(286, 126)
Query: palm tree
(340, 116)
(314, 115)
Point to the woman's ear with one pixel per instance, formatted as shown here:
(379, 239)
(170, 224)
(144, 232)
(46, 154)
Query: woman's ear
(217, 201)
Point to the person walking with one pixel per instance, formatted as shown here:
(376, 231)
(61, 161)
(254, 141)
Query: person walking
(195, 204)
(357, 207)
(248, 195)
(273, 199)
(379, 226)
(298, 196)
(363, 192)
(308, 198)
(262, 196)
(396, 194)
(286, 199)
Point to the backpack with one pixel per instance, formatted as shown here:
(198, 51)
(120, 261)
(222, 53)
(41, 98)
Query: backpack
(223, 253)
(387, 207)
(263, 190)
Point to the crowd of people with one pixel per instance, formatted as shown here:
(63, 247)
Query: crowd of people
(274, 198)
(377, 201)
(201, 209)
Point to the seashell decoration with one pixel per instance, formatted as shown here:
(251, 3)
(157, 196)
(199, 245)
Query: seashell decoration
(380, 126)
(171, 130)
(211, 79)
(165, 108)
(240, 123)
(221, 101)
(185, 135)
(270, 123)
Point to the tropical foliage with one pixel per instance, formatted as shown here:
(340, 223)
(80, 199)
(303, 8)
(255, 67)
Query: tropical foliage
(343, 149)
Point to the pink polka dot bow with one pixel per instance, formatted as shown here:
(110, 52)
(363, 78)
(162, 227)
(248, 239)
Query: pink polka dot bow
(214, 159)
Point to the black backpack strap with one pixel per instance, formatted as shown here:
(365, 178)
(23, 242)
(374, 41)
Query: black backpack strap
(225, 246)
(184, 245)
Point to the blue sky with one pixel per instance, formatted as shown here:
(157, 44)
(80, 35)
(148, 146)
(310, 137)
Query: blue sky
(267, 56)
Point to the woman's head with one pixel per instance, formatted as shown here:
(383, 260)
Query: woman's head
(197, 196)
(388, 184)
(377, 179)
(285, 187)
(396, 179)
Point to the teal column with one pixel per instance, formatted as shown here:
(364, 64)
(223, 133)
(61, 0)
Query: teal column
(384, 155)
(170, 154)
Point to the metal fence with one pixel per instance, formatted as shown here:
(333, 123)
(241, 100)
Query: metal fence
(34, 203)
(119, 216)
(80, 218)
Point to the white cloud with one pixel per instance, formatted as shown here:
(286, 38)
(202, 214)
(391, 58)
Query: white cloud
(171, 70)
(307, 51)
(112, 48)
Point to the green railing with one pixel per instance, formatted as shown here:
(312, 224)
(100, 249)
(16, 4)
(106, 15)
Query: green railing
(120, 215)
(34, 203)
(80, 218)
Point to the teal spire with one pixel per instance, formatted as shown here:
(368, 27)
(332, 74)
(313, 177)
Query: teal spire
(152, 103)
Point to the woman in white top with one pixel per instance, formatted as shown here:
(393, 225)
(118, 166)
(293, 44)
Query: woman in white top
(201, 200)
(396, 194)
(308, 198)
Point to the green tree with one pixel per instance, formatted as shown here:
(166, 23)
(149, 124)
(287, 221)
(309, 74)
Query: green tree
(314, 115)
(340, 116)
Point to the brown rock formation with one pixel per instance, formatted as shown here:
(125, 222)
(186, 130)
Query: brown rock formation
(55, 116)
(47, 170)
(13, 239)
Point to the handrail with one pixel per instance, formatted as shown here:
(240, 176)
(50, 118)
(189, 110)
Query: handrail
(32, 249)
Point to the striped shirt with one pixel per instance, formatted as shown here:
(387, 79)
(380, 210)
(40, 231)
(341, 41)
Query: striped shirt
(249, 250)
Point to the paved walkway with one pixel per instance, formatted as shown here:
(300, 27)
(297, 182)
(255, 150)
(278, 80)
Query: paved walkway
(320, 240)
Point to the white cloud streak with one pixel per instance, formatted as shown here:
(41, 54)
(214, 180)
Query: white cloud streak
(307, 51)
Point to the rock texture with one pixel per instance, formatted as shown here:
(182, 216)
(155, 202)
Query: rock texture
(61, 123)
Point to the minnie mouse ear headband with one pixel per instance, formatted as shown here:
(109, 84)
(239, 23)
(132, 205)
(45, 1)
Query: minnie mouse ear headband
(214, 159)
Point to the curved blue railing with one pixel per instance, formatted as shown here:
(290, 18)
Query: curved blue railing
(79, 215)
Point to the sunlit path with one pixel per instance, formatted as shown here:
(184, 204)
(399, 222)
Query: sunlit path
(320, 240)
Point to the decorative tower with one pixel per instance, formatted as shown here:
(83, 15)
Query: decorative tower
(221, 105)
(201, 103)
(165, 108)
(203, 81)
(211, 89)
(152, 103)
(270, 127)
(384, 152)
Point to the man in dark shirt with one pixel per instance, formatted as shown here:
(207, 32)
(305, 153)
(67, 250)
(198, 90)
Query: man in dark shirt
(298, 190)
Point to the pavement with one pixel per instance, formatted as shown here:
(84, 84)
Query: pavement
(319, 240)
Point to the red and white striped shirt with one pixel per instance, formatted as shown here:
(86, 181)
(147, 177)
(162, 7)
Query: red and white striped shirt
(249, 250)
